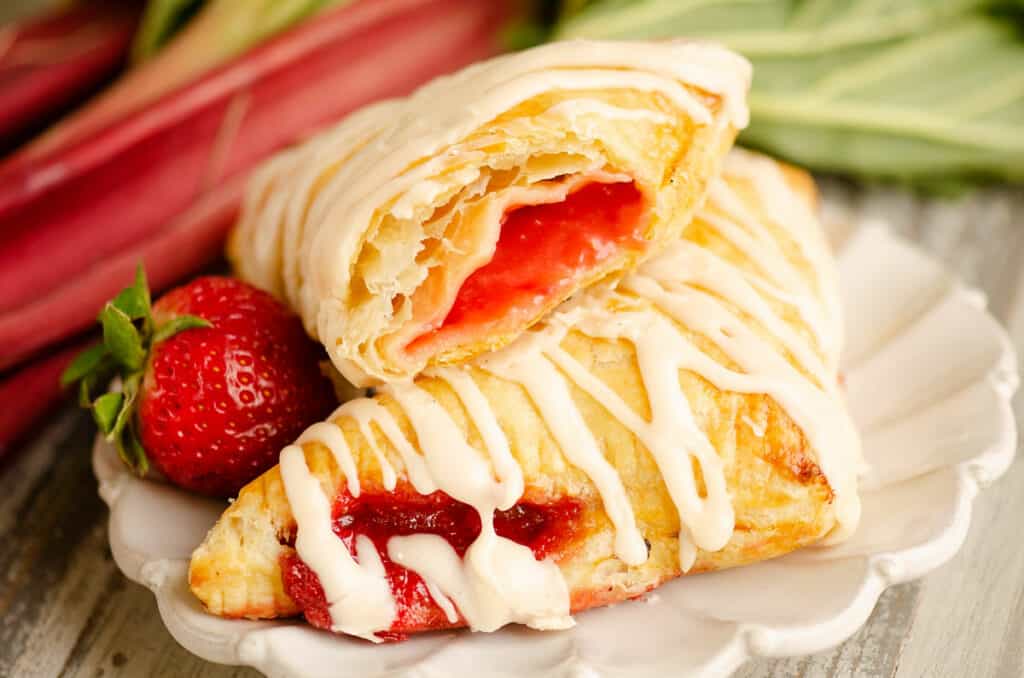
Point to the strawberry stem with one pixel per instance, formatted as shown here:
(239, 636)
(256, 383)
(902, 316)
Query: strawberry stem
(83, 364)
(129, 334)
(121, 337)
(134, 300)
(178, 324)
(106, 410)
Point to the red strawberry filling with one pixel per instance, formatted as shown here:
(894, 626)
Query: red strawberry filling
(545, 528)
(544, 250)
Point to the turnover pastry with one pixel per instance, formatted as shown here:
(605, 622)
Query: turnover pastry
(686, 419)
(431, 229)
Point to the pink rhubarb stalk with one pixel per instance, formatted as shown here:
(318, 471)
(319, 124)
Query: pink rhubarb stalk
(163, 184)
(48, 63)
(30, 393)
(220, 31)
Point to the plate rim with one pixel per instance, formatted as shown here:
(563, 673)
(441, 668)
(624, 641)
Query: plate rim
(751, 640)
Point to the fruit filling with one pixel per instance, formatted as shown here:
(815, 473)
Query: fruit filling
(542, 251)
(545, 528)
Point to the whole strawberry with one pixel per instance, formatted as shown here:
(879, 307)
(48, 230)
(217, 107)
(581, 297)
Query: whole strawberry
(216, 378)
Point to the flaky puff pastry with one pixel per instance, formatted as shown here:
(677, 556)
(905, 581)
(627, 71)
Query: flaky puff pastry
(371, 229)
(747, 455)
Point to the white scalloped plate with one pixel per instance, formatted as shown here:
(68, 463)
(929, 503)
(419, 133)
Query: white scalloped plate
(929, 376)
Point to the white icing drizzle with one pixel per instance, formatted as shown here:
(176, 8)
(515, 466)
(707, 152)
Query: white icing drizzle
(821, 416)
(510, 476)
(436, 594)
(358, 594)
(496, 570)
(331, 436)
(671, 435)
(745, 233)
(365, 411)
(550, 393)
(693, 265)
(499, 581)
(458, 469)
(490, 587)
(794, 216)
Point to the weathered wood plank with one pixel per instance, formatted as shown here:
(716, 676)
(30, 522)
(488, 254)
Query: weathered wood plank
(125, 637)
(25, 468)
(54, 547)
(971, 616)
(873, 651)
(970, 619)
(64, 606)
(65, 610)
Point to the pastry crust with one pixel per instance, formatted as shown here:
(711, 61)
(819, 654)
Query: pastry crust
(781, 498)
(370, 229)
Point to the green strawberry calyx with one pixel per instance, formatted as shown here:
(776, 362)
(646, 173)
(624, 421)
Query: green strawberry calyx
(129, 334)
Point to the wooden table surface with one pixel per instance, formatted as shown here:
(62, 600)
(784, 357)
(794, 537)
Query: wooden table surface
(66, 610)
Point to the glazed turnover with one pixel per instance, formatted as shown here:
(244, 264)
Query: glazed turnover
(428, 230)
(681, 417)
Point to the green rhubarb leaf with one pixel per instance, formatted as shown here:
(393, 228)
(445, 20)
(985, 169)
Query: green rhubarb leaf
(522, 35)
(160, 21)
(247, 23)
(122, 339)
(134, 300)
(928, 92)
(84, 363)
(106, 410)
(221, 29)
(763, 28)
(178, 324)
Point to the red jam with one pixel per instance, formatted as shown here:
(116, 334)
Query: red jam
(544, 249)
(543, 528)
